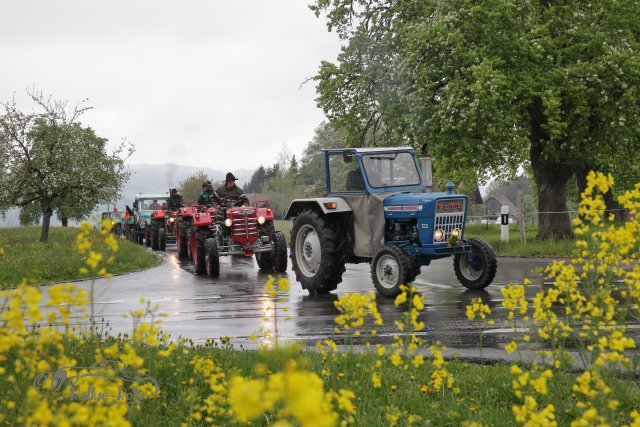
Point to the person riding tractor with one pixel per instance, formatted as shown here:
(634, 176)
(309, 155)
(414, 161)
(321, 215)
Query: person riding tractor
(174, 201)
(230, 191)
(206, 198)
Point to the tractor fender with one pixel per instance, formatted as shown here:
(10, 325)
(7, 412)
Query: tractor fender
(202, 219)
(320, 203)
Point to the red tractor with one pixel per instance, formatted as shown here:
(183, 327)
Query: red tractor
(181, 229)
(229, 230)
(161, 230)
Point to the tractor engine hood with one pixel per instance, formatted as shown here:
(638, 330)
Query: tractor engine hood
(414, 205)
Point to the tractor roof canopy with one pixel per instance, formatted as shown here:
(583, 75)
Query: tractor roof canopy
(372, 170)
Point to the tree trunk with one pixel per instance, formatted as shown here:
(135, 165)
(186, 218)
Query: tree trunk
(553, 218)
(46, 220)
(64, 220)
(551, 178)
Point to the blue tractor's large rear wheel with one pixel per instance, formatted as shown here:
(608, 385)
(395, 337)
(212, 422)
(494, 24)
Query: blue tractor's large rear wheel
(477, 269)
(316, 257)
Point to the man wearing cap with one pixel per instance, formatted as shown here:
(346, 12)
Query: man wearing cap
(174, 201)
(230, 191)
(207, 196)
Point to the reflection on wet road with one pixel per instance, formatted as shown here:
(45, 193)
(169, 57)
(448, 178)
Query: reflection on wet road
(233, 305)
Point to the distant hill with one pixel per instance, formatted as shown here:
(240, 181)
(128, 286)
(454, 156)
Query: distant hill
(149, 179)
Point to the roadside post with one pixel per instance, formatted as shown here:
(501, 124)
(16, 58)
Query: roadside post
(504, 221)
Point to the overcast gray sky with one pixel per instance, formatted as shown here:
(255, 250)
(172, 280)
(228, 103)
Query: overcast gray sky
(205, 83)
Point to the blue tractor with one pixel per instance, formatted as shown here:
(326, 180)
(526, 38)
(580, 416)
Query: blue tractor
(378, 210)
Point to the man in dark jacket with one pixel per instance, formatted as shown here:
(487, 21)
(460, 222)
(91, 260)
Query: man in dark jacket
(174, 201)
(207, 196)
(229, 194)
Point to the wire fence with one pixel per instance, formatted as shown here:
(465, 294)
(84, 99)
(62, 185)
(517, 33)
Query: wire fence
(532, 217)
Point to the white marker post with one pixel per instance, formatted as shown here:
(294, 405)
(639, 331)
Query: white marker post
(504, 220)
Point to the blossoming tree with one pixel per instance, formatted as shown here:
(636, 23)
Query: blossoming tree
(49, 158)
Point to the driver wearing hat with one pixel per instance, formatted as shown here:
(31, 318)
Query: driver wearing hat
(174, 201)
(230, 191)
(207, 196)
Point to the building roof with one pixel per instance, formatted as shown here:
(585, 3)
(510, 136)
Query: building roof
(503, 200)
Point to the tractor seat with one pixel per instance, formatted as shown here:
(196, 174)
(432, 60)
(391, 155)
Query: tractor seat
(354, 181)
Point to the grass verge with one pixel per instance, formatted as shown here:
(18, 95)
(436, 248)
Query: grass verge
(58, 260)
(514, 248)
(482, 394)
(491, 233)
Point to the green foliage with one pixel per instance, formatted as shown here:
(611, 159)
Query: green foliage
(485, 394)
(491, 85)
(30, 214)
(289, 178)
(257, 180)
(191, 187)
(533, 248)
(51, 160)
(58, 260)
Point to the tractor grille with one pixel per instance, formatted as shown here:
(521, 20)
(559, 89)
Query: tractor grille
(449, 216)
(244, 225)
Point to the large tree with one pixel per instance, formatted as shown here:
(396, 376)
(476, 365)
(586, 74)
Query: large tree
(48, 157)
(257, 180)
(493, 85)
(312, 169)
(191, 187)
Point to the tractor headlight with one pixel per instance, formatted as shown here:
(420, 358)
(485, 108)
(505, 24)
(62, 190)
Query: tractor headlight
(142, 224)
(261, 220)
(438, 235)
(456, 232)
(228, 222)
(171, 219)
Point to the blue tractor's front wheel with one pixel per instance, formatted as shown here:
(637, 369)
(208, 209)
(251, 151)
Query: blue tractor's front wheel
(390, 268)
(477, 269)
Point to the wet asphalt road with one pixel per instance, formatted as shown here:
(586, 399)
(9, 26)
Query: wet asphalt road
(233, 305)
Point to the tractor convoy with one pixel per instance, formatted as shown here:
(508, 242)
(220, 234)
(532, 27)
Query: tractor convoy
(378, 210)
(204, 233)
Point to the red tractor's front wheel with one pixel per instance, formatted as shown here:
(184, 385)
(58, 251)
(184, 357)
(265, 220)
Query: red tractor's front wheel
(154, 237)
(189, 245)
(277, 259)
(212, 257)
(162, 239)
(279, 252)
(181, 239)
(198, 251)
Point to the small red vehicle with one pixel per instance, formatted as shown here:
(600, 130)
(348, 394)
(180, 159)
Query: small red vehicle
(161, 230)
(181, 229)
(235, 230)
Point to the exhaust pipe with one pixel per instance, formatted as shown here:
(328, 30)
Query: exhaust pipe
(427, 171)
(426, 164)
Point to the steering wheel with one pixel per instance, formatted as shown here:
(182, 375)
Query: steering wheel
(231, 201)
